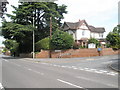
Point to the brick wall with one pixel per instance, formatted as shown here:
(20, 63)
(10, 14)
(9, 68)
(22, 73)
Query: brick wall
(71, 53)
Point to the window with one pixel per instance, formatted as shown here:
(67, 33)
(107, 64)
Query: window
(83, 32)
(100, 34)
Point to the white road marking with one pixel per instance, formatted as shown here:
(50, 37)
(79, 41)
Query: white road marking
(107, 62)
(75, 68)
(93, 69)
(54, 65)
(42, 73)
(1, 87)
(58, 65)
(35, 71)
(81, 69)
(89, 70)
(86, 69)
(6, 60)
(103, 71)
(69, 83)
(98, 72)
(96, 81)
(111, 74)
(29, 69)
(63, 66)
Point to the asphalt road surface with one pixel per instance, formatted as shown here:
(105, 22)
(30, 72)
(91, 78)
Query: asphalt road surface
(57, 73)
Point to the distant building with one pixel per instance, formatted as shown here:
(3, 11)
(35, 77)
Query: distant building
(81, 32)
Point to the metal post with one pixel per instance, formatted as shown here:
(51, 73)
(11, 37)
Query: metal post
(33, 39)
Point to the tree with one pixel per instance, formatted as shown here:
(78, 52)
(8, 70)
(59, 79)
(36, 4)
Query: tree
(41, 12)
(61, 40)
(113, 38)
(20, 28)
(20, 33)
(95, 41)
(12, 45)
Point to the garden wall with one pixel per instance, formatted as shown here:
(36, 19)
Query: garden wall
(72, 53)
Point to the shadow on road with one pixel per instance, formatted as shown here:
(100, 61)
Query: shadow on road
(11, 57)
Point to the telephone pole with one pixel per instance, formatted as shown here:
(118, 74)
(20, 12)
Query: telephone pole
(33, 38)
(50, 37)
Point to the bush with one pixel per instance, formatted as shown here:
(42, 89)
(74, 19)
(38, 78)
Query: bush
(61, 40)
(43, 44)
(95, 41)
(113, 38)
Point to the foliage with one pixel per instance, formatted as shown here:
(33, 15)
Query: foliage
(61, 40)
(41, 12)
(43, 44)
(20, 33)
(113, 38)
(11, 45)
(21, 26)
(83, 47)
(4, 50)
(95, 41)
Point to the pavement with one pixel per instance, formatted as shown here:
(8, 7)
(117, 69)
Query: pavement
(115, 66)
(83, 73)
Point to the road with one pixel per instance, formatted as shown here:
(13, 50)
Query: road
(27, 73)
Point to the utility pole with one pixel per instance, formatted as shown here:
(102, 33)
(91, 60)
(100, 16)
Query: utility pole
(50, 37)
(33, 38)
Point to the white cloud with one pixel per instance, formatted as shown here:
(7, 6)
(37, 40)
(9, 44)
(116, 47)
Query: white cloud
(100, 13)
(103, 13)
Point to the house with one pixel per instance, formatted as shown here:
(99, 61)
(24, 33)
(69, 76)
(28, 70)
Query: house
(81, 32)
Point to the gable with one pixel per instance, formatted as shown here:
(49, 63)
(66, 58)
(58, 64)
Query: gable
(84, 27)
(65, 26)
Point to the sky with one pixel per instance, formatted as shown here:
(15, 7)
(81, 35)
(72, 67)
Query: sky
(99, 13)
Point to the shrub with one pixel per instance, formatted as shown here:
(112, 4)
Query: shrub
(61, 40)
(95, 41)
(43, 44)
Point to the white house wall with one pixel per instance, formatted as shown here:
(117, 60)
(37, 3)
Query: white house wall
(81, 35)
(96, 35)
